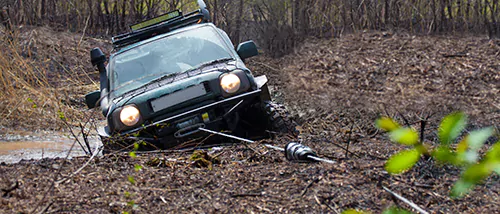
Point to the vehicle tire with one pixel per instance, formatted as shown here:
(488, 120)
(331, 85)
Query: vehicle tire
(279, 120)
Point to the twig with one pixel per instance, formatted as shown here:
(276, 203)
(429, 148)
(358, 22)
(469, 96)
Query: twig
(163, 199)
(55, 177)
(309, 185)
(327, 205)
(76, 137)
(348, 141)
(455, 55)
(46, 208)
(404, 119)
(342, 148)
(83, 33)
(422, 129)
(96, 151)
(246, 195)
(85, 137)
(411, 204)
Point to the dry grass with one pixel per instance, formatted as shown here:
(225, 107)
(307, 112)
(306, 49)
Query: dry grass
(44, 76)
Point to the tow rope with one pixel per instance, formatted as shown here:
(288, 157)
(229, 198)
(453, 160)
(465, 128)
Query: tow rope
(293, 151)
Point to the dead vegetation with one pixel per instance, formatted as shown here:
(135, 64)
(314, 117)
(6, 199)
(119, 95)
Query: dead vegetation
(44, 76)
(336, 88)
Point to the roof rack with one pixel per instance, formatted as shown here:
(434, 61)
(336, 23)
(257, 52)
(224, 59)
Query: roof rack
(160, 25)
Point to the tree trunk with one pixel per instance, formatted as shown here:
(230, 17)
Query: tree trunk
(239, 17)
(108, 16)
(443, 15)
(123, 19)
(216, 9)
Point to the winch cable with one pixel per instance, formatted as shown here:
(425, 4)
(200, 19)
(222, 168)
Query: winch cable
(298, 152)
(293, 151)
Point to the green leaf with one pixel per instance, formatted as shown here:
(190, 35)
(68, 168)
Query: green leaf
(61, 115)
(386, 124)
(136, 146)
(460, 188)
(353, 211)
(405, 136)
(451, 126)
(402, 161)
(131, 179)
(137, 167)
(494, 153)
(396, 210)
(477, 138)
(444, 154)
(494, 166)
(132, 154)
(470, 156)
(462, 146)
(475, 173)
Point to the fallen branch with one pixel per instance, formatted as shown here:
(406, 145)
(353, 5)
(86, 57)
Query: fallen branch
(411, 204)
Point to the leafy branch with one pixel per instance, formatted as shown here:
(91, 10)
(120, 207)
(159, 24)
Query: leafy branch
(465, 155)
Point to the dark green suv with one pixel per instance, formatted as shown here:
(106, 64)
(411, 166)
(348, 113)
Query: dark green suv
(175, 74)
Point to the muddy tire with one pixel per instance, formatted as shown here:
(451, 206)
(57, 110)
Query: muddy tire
(279, 120)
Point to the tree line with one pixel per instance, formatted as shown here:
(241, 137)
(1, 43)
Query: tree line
(277, 25)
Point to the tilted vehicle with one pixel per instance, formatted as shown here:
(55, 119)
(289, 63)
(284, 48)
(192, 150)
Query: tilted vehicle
(176, 73)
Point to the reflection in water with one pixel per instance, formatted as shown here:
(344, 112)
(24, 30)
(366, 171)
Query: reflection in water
(15, 147)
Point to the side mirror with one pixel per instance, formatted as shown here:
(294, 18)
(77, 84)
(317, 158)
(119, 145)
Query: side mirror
(92, 98)
(247, 49)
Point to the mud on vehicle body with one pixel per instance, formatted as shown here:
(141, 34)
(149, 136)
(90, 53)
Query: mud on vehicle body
(174, 74)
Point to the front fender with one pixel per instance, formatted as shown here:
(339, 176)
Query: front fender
(261, 82)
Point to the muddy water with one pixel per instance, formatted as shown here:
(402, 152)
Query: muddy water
(20, 145)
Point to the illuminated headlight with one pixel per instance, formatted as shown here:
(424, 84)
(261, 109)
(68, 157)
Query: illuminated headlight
(230, 83)
(130, 116)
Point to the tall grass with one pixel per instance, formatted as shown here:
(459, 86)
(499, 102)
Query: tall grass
(37, 91)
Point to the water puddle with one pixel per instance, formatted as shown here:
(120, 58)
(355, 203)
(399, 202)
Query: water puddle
(21, 145)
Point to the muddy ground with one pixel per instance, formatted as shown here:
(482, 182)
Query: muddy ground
(335, 89)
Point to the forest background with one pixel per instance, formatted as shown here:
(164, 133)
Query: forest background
(277, 25)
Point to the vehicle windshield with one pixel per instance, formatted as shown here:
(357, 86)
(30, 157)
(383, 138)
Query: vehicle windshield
(172, 54)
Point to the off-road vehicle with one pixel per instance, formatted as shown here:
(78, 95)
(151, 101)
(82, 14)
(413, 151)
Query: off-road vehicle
(176, 73)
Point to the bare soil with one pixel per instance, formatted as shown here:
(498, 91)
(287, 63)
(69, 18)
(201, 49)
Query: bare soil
(335, 90)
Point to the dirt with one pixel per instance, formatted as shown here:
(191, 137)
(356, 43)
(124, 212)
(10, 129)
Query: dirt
(335, 90)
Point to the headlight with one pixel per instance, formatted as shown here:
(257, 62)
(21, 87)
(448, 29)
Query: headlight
(130, 116)
(230, 83)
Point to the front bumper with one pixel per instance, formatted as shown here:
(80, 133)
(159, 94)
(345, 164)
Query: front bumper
(168, 139)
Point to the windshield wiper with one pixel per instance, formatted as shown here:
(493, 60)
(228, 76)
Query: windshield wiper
(213, 62)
